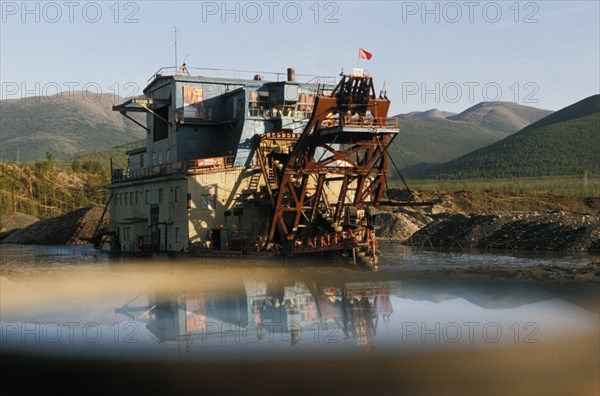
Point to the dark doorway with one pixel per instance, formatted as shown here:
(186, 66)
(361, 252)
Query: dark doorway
(216, 238)
(154, 228)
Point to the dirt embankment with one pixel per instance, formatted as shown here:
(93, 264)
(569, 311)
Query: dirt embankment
(504, 221)
(75, 227)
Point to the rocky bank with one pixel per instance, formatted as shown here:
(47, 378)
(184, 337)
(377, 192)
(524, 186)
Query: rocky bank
(502, 221)
(456, 220)
(520, 231)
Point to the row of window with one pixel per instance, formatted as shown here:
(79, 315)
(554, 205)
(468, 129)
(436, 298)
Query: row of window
(135, 197)
(130, 198)
(159, 159)
(127, 198)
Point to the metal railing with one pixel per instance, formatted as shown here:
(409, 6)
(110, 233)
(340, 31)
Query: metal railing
(241, 74)
(194, 166)
(361, 122)
(382, 122)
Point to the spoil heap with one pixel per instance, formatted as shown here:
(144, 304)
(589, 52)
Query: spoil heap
(75, 227)
(524, 231)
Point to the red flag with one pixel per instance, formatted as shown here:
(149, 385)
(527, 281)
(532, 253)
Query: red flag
(364, 54)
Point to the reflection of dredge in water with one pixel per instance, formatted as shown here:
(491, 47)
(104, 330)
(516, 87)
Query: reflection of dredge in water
(270, 312)
(357, 307)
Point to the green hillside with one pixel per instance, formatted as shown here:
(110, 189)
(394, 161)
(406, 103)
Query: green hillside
(436, 140)
(564, 143)
(436, 136)
(64, 126)
(117, 153)
(53, 187)
(44, 189)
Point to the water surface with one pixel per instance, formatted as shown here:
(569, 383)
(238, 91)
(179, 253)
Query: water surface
(77, 303)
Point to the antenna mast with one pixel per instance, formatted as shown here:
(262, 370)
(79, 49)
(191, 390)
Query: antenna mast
(176, 48)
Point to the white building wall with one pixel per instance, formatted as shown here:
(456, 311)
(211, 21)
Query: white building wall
(131, 207)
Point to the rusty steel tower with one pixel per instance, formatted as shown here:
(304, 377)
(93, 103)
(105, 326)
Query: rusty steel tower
(341, 153)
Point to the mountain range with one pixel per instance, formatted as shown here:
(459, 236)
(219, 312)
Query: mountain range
(436, 136)
(566, 142)
(64, 125)
(70, 125)
(429, 114)
(503, 118)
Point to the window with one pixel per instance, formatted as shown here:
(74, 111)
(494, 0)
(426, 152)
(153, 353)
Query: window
(253, 103)
(131, 200)
(177, 235)
(168, 156)
(148, 197)
(160, 158)
(176, 194)
(125, 203)
(207, 202)
(160, 195)
(141, 160)
(116, 199)
(154, 159)
(126, 233)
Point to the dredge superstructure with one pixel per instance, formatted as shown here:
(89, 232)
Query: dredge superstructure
(254, 166)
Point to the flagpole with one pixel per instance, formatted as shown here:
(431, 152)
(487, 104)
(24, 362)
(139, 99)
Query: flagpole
(358, 59)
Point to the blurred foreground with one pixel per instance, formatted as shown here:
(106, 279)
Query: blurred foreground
(205, 327)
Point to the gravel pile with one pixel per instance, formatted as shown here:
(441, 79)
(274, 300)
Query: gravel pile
(401, 225)
(75, 227)
(524, 231)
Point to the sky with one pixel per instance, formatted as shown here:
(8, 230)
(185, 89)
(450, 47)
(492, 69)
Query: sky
(445, 55)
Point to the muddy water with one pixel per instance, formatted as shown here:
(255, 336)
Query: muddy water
(71, 312)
